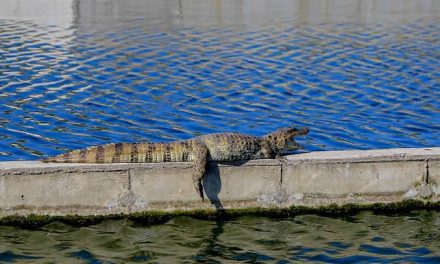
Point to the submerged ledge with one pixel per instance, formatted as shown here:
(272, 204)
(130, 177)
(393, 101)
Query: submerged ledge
(315, 182)
(160, 217)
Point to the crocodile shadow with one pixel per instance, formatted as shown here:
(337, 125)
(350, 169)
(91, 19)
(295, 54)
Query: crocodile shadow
(212, 183)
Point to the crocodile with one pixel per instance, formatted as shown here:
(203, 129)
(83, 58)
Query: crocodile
(220, 147)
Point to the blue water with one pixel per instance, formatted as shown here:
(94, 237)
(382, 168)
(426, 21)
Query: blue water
(145, 71)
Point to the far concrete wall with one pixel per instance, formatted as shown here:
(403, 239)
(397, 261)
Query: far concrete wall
(309, 179)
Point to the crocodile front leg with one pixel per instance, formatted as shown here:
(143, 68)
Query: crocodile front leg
(200, 158)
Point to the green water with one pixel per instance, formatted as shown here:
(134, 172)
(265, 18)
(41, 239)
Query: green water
(364, 237)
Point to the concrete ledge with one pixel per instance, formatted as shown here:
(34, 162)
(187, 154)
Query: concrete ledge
(307, 180)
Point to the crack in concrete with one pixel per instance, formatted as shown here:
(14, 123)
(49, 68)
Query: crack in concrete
(281, 174)
(129, 179)
(281, 163)
(427, 171)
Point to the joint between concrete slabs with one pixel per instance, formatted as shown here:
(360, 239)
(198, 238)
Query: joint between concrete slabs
(426, 180)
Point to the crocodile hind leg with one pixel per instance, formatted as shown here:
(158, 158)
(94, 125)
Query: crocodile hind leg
(200, 158)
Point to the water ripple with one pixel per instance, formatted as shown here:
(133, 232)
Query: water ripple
(357, 85)
(365, 237)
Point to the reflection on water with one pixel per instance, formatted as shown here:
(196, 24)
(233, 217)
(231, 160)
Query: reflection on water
(365, 237)
(361, 74)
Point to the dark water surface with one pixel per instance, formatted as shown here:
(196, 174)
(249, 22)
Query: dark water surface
(360, 74)
(363, 238)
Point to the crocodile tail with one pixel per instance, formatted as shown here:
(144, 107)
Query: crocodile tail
(109, 153)
(86, 155)
(126, 153)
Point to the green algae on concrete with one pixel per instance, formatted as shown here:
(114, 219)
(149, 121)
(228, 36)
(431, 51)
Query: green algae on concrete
(159, 217)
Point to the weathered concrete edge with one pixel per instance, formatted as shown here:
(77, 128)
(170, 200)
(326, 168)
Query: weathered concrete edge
(309, 180)
(160, 216)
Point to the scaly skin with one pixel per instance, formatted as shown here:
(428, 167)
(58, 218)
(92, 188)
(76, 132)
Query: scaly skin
(216, 147)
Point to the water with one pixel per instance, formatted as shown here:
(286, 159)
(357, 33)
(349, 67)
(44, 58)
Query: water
(360, 74)
(364, 237)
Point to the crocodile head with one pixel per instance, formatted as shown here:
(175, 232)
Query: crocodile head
(282, 140)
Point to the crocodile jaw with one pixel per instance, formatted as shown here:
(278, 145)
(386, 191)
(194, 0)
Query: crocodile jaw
(291, 145)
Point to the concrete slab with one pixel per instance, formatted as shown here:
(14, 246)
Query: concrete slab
(309, 179)
(168, 188)
(62, 189)
(343, 178)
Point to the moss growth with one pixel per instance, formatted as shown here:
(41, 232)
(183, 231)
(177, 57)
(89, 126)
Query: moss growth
(158, 217)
